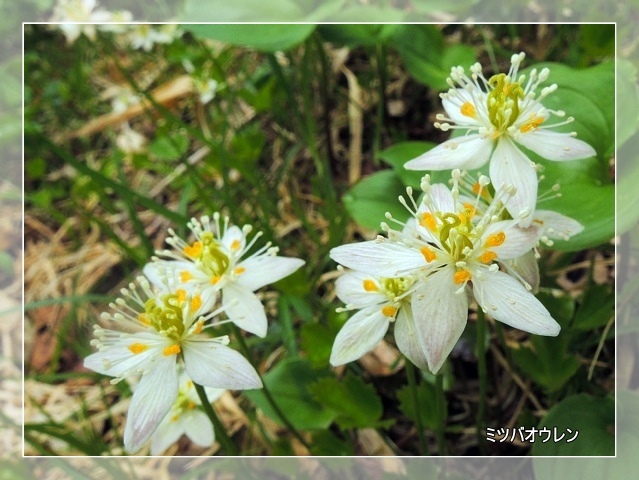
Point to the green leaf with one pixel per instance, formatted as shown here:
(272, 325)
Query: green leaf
(289, 383)
(355, 403)
(369, 200)
(402, 152)
(326, 443)
(627, 110)
(356, 34)
(426, 404)
(597, 307)
(165, 148)
(263, 37)
(369, 13)
(592, 417)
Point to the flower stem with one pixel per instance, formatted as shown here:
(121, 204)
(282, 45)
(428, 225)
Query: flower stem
(481, 367)
(440, 406)
(267, 392)
(220, 431)
(411, 373)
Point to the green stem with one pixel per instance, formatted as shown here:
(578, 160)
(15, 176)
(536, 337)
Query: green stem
(220, 431)
(267, 392)
(412, 384)
(440, 405)
(481, 367)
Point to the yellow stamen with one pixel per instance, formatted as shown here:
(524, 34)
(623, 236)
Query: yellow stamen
(171, 350)
(487, 257)
(463, 218)
(428, 254)
(181, 295)
(461, 276)
(428, 221)
(236, 245)
(214, 280)
(194, 250)
(191, 405)
(239, 270)
(196, 303)
(496, 239)
(142, 319)
(370, 286)
(468, 109)
(532, 125)
(185, 276)
(389, 311)
(198, 327)
(470, 210)
(137, 348)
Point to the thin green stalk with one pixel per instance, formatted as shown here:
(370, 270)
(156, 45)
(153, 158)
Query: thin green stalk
(411, 373)
(481, 367)
(267, 392)
(440, 406)
(220, 431)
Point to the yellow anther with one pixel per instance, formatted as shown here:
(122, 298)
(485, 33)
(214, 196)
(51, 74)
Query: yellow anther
(389, 311)
(143, 319)
(198, 327)
(171, 350)
(468, 109)
(181, 295)
(196, 303)
(370, 286)
(428, 221)
(470, 209)
(239, 270)
(461, 277)
(463, 218)
(236, 245)
(496, 239)
(193, 250)
(532, 124)
(214, 280)
(428, 254)
(185, 276)
(487, 257)
(137, 348)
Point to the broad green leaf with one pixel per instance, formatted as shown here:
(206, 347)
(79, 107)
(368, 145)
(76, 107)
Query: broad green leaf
(369, 200)
(326, 443)
(400, 153)
(165, 148)
(426, 404)
(628, 101)
(289, 383)
(317, 341)
(592, 417)
(252, 10)
(355, 403)
(597, 307)
(263, 37)
(356, 34)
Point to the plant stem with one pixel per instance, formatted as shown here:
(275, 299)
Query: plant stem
(481, 367)
(411, 373)
(267, 392)
(220, 431)
(440, 405)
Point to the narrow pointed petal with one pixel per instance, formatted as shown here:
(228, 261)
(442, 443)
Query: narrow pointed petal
(211, 364)
(382, 259)
(555, 225)
(350, 290)
(508, 301)
(440, 315)
(244, 309)
(151, 401)
(359, 335)
(407, 338)
(166, 434)
(198, 428)
(509, 166)
(266, 269)
(556, 146)
(468, 152)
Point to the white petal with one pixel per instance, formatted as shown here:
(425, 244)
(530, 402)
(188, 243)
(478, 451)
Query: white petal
(440, 315)
(359, 335)
(117, 359)
(350, 290)
(442, 200)
(151, 401)
(266, 269)
(509, 166)
(469, 152)
(527, 268)
(556, 146)
(166, 434)
(518, 240)
(211, 364)
(244, 309)
(556, 225)
(161, 272)
(198, 428)
(383, 259)
(407, 338)
(233, 235)
(453, 109)
(508, 301)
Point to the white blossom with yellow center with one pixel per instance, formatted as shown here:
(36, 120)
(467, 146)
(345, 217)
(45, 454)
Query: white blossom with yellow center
(446, 247)
(158, 328)
(218, 261)
(498, 114)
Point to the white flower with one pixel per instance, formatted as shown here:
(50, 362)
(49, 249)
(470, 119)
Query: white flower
(159, 327)
(77, 17)
(130, 141)
(205, 88)
(501, 112)
(452, 247)
(145, 36)
(185, 418)
(214, 263)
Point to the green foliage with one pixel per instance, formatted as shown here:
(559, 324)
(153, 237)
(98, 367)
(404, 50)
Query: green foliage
(266, 38)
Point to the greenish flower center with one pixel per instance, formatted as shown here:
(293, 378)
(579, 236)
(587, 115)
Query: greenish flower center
(503, 101)
(208, 254)
(395, 287)
(167, 317)
(456, 233)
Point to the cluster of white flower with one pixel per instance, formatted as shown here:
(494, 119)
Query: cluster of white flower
(466, 241)
(161, 325)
